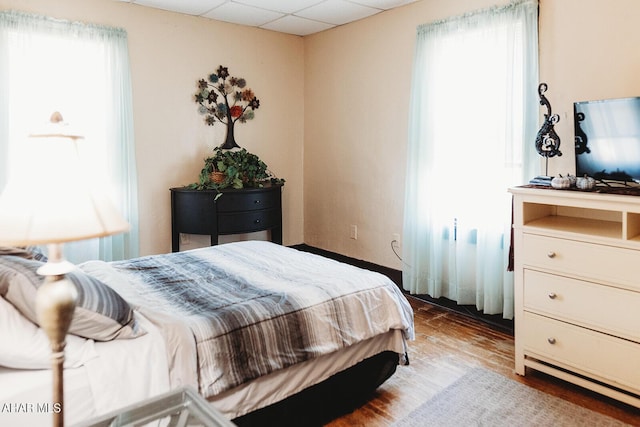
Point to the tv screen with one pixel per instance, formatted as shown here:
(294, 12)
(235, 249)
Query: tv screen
(607, 138)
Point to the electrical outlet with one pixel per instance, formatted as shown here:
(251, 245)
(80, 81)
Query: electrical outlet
(185, 239)
(354, 232)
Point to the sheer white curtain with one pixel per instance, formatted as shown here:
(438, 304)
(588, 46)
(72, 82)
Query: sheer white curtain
(473, 121)
(81, 70)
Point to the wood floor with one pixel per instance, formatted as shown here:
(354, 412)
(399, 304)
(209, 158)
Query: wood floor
(447, 345)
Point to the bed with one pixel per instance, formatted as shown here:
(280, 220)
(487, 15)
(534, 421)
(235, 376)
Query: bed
(264, 332)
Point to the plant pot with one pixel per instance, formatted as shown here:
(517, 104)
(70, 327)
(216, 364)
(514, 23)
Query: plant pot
(217, 177)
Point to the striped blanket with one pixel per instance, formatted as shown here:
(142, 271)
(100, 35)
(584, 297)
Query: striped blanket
(257, 307)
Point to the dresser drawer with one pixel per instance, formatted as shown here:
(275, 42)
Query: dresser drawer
(247, 222)
(612, 359)
(604, 308)
(590, 261)
(249, 200)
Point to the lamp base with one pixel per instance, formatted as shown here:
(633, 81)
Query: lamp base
(55, 304)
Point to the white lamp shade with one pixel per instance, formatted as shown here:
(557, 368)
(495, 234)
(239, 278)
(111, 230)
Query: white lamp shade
(52, 199)
(50, 216)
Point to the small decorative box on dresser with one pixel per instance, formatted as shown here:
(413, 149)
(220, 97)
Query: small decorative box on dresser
(235, 211)
(577, 288)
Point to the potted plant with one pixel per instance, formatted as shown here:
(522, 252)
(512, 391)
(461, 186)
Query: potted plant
(233, 168)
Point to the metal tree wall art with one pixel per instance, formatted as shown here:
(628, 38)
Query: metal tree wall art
(227, 100)
(547, 140)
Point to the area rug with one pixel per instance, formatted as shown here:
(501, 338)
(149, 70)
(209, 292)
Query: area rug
(485, 398)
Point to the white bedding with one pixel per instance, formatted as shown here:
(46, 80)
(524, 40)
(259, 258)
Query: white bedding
(25, 396)
(86, 397)
(125, 371)
(256, 307)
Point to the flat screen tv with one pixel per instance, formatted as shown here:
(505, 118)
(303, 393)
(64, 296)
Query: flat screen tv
(607, 138)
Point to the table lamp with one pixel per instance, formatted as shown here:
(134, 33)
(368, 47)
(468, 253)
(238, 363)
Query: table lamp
(51, 201)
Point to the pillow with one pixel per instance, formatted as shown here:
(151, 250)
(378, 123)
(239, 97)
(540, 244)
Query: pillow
(25, 346)
(101, 313)
(28, 252)
(37, 253)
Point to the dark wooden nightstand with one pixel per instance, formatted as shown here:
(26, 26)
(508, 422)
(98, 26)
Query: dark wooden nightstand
(234, 212)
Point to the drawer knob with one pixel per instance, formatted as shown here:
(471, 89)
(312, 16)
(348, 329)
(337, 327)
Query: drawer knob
(551, 340)
(257, 221)
(552, 295)
(257, 202)
(551, 254)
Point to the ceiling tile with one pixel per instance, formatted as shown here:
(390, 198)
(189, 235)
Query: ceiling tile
(242, 14)
(285, 6)
(295, 25)
(301, 17)
(190, 7)
(337, 12)
(383, 4)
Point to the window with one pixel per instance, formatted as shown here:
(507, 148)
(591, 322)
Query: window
(48, 65)
(472, 126)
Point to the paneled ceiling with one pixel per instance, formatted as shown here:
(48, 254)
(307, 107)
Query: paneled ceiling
(299, 17)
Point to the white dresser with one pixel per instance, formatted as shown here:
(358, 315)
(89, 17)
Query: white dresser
(577, 288)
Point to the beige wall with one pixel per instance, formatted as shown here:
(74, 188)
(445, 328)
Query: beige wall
(338, 99)
(357, 80)
(169, 52)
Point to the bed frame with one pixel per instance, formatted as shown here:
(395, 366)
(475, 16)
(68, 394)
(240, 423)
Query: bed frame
(336, 396)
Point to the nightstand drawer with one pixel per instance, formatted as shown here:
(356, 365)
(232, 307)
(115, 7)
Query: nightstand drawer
(197, 212)
(614, 360)
(604, 308)
(248, 200)
(586, 260)
(247, 222)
